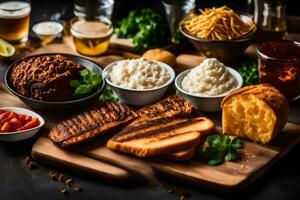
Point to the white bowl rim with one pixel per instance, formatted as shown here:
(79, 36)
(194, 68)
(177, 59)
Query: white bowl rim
(232, 71)
(34, 27)
(41, 119)
(163, 65)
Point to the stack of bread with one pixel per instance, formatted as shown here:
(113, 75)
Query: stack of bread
(166, 128)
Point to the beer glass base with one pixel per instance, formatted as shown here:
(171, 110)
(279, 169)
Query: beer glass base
(22, 41)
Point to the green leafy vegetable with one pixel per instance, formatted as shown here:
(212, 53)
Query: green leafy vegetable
(221, 148)
(108, 95)
(249, 72)
(86, 84)
(146, 28)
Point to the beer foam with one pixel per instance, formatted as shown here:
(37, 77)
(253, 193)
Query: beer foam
(14, 9)
(47, 28)
(90, 29)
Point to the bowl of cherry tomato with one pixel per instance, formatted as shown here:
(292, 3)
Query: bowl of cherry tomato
(18, 124)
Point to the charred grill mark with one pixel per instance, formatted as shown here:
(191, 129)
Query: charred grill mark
(174, 104)
(163, 137)
(91, 121)
(152, 132)
(72, 127)
(95, 117)
(150, 123)
(83, 124)
(138, 130)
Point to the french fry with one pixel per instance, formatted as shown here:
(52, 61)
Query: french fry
(217, 24)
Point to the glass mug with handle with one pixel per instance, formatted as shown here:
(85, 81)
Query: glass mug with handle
(14, 20)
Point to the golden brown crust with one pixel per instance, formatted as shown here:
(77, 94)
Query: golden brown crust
(160, 55)
(272, 97)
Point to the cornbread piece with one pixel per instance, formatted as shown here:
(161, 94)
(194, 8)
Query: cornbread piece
(160, 136)
(45, 78)
(90, 124)
(255, 112)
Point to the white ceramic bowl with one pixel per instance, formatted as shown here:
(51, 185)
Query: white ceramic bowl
(47, 31)
(21, 135)
(205, 103)
(138, 97)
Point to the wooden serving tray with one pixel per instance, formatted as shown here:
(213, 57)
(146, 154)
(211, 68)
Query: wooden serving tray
(94, 158)
(256, 159)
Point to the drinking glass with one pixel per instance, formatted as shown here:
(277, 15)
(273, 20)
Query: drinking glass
(93, 8)
(270, 18)
(175, 11)
(91, 35)
(14, 20)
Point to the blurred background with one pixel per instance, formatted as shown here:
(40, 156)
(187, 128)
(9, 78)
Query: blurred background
(63, 9)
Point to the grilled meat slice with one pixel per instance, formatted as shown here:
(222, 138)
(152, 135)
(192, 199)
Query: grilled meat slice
(90, 124)
(160, 136)
(170, 107)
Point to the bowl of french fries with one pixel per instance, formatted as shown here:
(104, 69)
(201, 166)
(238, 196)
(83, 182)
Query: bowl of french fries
(219, 32)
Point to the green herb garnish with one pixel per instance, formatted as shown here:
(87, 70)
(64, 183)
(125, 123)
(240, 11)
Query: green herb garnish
(146, 28)
(108, 95)
(249, 72)
(221, 148)
(86, 84)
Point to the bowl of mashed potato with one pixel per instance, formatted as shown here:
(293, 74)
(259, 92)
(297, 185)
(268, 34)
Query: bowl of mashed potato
(139, 82)
(207, 84)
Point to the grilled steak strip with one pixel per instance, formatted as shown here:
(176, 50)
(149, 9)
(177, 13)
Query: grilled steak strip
(169, 107)
(90, 124)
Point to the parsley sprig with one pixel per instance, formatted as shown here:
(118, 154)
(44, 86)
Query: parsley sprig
(221, 148)
(145, 27)
(249, 72)
(87, 82)
(108, 95)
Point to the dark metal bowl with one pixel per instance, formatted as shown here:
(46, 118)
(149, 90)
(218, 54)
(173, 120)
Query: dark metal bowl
(224, 50)
(46, 105)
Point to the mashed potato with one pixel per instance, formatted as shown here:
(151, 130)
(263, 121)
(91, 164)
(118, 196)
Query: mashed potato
(138, 74)
(210, 78)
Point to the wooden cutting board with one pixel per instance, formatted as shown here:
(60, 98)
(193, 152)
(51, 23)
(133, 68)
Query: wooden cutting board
(95, 159)
(255, 160)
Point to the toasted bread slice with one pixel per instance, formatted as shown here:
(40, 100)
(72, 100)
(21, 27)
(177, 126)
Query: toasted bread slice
(169, 107)
(184, 155)
(164, 143)
(160, 136)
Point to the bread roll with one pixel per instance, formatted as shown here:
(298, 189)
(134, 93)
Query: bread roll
(160, 55)
(256, 112)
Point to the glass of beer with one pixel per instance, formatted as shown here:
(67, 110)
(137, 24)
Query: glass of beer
(91, 35)
(14, 20)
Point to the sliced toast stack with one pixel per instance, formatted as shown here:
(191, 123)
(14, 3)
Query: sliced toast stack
(167, 128)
